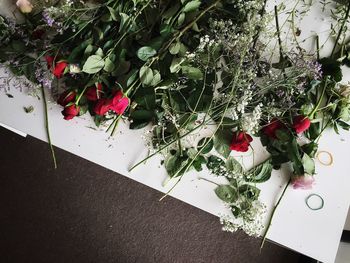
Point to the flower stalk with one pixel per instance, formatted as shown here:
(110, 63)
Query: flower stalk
(48, 128)
(272, 214)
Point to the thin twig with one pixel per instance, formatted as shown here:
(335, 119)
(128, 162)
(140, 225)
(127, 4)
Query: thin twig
(341, 29)
(47, 127)
(273, 213)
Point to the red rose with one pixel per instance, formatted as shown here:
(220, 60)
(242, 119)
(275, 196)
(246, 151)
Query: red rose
(93, 93)
(49, 61)
(272, 127)
(241, 142)
(120, 103)
(301, 124)
(59, 69)
(103, 106)
(66, 97)
(70, 112)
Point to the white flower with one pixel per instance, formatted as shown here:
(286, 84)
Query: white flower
(74, 68)
(25, 6)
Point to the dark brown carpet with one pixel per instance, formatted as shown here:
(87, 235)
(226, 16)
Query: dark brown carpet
(82, 212)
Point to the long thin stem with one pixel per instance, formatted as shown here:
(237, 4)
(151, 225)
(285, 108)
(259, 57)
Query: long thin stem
(279, 40)
(273, 213)
(48, 128)
(341, 29)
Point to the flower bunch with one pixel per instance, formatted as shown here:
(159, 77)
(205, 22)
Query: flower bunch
(188, 66)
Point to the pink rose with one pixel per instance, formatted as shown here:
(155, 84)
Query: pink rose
(304, 182)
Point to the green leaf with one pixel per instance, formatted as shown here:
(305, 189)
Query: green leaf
(175, 165)
(109, 65)
(308, 164)
(192, 6)
(226, 193)
(146, 75)
(124, 21)
(344, 125)
(93, 64)
(157, 78)
(140, 119)
(205, 146)
(283, 135)
(145, 53)
(175, 48)
(259, 174)
(99, 52)
(192, 72)
(310, 149)
(249, 191)
(181, 19)
(293, 154)
(222, 140)
(171, 12)
(233, 166)
(113, 13)
(176, 65)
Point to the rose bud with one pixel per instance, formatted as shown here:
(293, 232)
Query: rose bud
(49, 61)
(66, 97)
(25, 6)
(102, 106)
(59, 69)
(241, 142)
(271, 128)
(70, 112)
(120, 102)
(304, 182)
(301, 124)
(93, 93)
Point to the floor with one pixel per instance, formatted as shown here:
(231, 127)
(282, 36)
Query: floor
(82, 212)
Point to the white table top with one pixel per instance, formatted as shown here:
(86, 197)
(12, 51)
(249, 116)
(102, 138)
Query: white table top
(313, 233)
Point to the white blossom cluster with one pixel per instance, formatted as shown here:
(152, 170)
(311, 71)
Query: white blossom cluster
(225, 33)
(205, 42)
(244, 101)
(250, 121)
(251, 221)
(244, 5)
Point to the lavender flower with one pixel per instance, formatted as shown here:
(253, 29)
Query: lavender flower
(43, 78)
(48, 19)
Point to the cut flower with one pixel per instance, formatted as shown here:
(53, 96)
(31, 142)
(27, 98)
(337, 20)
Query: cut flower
(241, 142)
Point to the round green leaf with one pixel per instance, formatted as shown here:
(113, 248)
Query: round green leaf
(145, 53)
(146, 76)
(93, 64)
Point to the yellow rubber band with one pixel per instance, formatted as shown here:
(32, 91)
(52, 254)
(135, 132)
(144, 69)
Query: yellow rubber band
(322, 162)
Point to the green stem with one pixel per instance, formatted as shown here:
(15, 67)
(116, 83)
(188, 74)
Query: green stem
(311, 115)
(318, 47)
(341, 29)
(279, 39)
(47, 127)
(273, 213)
